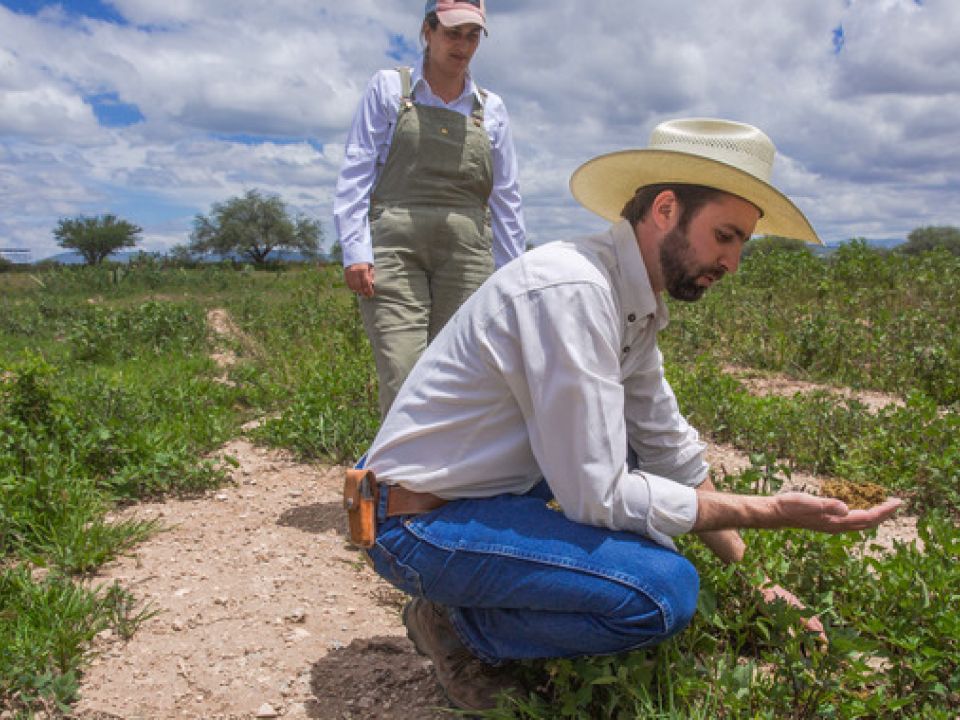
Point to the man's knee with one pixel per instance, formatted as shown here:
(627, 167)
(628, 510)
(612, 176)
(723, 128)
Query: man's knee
(667, 599)
(680, 598)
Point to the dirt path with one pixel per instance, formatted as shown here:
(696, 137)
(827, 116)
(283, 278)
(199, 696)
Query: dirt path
(263, 610)
(766, 383)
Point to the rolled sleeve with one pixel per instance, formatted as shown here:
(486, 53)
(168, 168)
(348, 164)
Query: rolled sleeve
(672, 510)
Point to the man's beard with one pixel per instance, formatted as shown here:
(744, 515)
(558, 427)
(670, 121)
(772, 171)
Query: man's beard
(679, 272)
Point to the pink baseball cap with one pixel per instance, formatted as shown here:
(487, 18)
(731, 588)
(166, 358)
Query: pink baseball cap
(458, 12)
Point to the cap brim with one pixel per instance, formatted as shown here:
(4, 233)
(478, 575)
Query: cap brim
(604, 184)
(453, 18)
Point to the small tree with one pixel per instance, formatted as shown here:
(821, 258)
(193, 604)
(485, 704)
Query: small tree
(336, 253)
(96, 237)
(923, 239)
(775, 243)
(181, 256)
(253, 226)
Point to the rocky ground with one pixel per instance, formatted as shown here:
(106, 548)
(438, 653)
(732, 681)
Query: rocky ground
(262, 610)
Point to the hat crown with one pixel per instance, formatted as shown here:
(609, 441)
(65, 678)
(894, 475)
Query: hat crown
(732, 157)
(736, 144)
(457, 11)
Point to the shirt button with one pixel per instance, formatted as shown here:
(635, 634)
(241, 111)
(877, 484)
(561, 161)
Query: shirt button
(631, 317)
(626, 350)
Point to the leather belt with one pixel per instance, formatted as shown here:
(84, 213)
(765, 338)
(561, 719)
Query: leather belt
(401, 501)
(361, 496)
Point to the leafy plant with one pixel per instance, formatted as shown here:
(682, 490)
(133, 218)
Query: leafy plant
(46, 626)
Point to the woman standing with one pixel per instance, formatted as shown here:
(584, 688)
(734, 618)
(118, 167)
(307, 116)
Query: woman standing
(427, 200)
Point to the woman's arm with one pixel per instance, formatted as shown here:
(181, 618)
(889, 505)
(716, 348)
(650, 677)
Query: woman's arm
(506, 211)
(370, 131)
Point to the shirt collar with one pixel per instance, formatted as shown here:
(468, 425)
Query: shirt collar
(416, 78)
(636, 294)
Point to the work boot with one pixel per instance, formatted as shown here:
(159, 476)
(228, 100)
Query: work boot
(469, 683)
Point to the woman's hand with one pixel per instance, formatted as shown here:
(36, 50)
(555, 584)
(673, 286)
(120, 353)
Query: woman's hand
(359, 278)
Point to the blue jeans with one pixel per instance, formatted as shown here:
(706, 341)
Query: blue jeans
(523, 581)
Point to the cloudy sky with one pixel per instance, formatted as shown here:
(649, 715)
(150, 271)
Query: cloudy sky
(153, 110)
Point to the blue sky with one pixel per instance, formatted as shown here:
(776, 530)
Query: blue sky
(156, 110)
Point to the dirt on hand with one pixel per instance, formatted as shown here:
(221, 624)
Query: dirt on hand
(857, 495)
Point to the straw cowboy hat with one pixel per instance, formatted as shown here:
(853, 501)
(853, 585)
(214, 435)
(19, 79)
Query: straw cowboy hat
(722, 154)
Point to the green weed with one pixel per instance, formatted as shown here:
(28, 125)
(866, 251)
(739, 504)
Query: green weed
(46, 627)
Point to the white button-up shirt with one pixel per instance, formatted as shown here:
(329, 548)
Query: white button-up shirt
(545, 372)
(368, 143)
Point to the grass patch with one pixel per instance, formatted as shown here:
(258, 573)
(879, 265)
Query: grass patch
(46, 627)
(108, 395)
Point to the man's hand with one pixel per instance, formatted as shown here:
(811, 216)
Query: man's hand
(720, 511)
(359, 278)
(801, 510)
(772, 592)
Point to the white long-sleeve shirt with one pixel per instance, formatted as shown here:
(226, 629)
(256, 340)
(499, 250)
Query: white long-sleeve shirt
(368, 143)
(545, 372)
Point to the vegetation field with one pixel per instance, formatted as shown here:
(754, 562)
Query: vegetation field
(109, 393)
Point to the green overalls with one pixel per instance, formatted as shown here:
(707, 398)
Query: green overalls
(430, 227)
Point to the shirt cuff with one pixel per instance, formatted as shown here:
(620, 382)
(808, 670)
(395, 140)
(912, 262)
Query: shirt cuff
(353, 254)
(672, 510)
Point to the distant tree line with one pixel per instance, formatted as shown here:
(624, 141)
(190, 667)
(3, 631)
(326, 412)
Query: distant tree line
(251, 227)
(931, 237)
(254, 225)
(920, 240)
(769, 243)
(96, 237)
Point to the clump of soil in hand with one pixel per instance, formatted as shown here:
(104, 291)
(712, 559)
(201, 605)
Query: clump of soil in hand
(857, 495)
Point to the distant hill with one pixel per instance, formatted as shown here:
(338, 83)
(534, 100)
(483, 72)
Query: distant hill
(75, 258)
(884, 243)
(878, 243)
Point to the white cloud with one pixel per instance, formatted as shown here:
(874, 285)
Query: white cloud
(44, 112)
(869, 136)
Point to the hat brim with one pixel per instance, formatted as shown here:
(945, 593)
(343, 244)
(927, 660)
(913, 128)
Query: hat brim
(453, 18)
(604, 184)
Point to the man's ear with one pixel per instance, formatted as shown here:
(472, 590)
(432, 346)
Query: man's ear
(665, 210)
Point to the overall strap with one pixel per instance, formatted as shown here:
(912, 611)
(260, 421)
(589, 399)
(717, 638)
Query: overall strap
(478, 104)
(406, 91)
